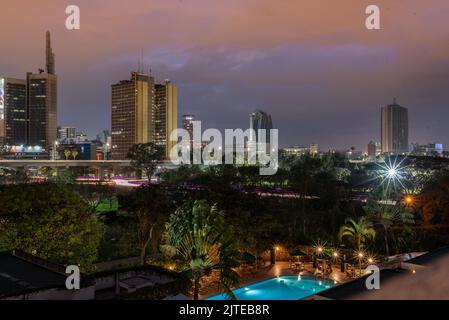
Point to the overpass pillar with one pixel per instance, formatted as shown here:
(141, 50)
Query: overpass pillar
(100, 171)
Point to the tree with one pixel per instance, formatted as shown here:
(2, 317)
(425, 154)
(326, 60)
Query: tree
(101, 198)
(63, 178)
(67, 153)
(145, 157)
(50, 221)
(313, 177)
(388, 215)
(74, 154)
(434, 202)
(358, 231)
(196, 232)
(150, 208)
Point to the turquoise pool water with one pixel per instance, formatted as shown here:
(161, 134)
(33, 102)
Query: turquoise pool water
(281, 288)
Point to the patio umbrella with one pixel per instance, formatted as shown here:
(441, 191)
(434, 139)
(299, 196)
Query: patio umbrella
(352, 261)
(247, 257)
(297, 253)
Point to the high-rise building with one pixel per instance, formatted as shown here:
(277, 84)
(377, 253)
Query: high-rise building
(28, 108)
(394, 129)
(66, 133)
(259, 120)
(165, 115)
(42, 102)
(132, 104)
(187, 124)
(13, 112)
(42, 109)
(374, 149)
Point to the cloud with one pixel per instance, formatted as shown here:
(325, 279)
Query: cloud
(312, 64)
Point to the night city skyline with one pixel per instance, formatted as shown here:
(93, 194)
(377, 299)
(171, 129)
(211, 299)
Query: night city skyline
(324, 81)
(251, 151)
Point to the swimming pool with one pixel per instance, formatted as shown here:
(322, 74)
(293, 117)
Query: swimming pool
(280, 288)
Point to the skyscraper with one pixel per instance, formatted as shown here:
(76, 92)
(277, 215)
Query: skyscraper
(187, 124)
(42, 104)
(42, 109)
(260, 120)
(165, 115)
(394, 129)
(132, 102)
(13, 112)
(28, 108)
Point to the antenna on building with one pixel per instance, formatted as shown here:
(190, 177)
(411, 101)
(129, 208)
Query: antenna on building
(394, 101)
(141, 66)
(49, 55)
(139, 62)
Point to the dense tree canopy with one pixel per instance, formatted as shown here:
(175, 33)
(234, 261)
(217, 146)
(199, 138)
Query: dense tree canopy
(51, 222)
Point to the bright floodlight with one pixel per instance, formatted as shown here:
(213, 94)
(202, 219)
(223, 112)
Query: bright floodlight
(392, 172)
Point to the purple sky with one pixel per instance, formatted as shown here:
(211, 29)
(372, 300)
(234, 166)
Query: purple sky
(311, 64)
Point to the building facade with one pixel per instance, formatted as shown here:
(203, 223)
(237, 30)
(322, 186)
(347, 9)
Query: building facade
(28, 108)
(13, 112)
(132, 106)
(427, 150)
(165, 115)
(394, 129)
(187, 124)
(374, 149)
(42, 109)
(66, 133)
(260, 120)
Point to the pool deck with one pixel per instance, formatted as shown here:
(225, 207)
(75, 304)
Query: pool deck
(281, 268)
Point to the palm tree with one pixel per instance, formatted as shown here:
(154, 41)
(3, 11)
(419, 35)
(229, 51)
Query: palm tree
(359, 231)
(387, 215)
(196, 233)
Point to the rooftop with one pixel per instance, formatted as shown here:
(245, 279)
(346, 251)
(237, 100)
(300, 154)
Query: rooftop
(357, 286)
(430, 257)
(18, 275)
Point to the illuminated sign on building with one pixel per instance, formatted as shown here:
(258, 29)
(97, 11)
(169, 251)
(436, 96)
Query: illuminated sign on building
(2, 98)
(24, 149)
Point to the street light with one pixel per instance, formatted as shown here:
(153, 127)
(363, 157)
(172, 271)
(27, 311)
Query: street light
(360, 255)
(107, 151)
(409, 199)
(55, 151)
